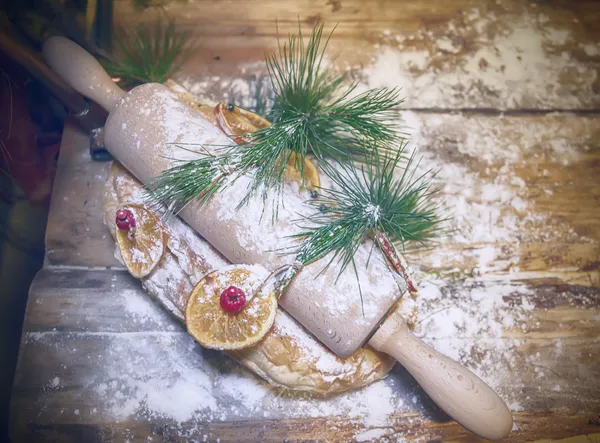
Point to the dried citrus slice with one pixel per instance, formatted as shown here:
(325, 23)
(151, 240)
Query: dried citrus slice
(141, 239)
(207, 111)
(218, 323)
(311, 174)
(237, 122)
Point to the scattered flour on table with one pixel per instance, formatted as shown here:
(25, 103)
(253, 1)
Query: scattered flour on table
(183, 383)
(477, 161)
(591, 49)
(180, 381)
(54, 383)
(139, 308)
(505, 59)
(371, 435)
(520, 64)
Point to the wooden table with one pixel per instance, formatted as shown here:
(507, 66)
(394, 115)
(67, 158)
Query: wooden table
(502, 98)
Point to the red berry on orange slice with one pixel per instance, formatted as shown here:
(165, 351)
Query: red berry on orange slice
(237, 322)
(141, 239)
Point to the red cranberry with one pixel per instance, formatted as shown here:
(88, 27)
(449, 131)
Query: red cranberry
(233, 299)
(125, 220)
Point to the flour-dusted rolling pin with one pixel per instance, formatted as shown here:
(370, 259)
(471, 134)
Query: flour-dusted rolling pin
(148, 129)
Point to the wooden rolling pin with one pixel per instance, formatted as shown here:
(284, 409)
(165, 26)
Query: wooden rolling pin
(148, 129)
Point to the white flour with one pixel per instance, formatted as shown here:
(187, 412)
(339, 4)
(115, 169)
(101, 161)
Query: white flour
(514, 65)
(479, 60)
(470, 298)
(478, 160)
(180, 381)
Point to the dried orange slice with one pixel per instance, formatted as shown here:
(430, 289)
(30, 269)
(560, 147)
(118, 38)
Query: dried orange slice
(207, 111)
(218, 326)
(141, 239)
(311, 174)
(237, 122)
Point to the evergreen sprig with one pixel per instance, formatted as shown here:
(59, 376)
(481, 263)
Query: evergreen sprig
(311, 98)
(314, 113)
(190, 180)
(365, 201)
(148, 54)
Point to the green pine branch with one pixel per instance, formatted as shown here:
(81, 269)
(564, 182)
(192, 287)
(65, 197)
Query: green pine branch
(314, 113)
(148, 53)
(383, 195)
(191, 180)
(334, 123)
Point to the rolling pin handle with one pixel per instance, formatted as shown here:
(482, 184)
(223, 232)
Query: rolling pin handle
(455, 389)
(81, 71)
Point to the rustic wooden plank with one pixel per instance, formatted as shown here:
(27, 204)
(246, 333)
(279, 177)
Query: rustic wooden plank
(93, 301)
(492, 54)
(99, 358)
(78, 378)
(125, 375)
(76, 235)
(90, 301)
(405, 428)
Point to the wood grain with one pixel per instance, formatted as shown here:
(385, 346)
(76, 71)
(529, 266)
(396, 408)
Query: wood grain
(523, 186)
(452, 55)
(410, 427)
(76, 235)
(81, 329)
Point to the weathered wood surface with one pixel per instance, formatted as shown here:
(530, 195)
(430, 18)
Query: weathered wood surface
(553, 268)
(96, 348)
(408, 427)
(513, 292)
(547, 262)
(76, 235)
(504, 54)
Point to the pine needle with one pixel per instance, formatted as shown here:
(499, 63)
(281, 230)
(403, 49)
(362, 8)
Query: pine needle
(259, 99)
(148, 54)
(197, 180)
(314, 113)
(310, 98)
(367, 200)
